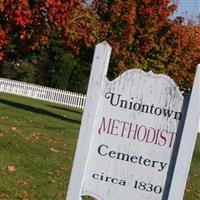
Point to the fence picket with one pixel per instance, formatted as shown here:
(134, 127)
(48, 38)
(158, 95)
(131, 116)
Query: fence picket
(67, 98)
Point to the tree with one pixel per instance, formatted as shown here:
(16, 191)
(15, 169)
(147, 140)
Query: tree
(48, 34)
(27, 25)
(140, 31)
(143, 36)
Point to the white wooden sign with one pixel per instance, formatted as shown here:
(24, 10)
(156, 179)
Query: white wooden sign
(126, 147)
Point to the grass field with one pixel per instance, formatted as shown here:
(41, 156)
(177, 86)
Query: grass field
(37, 144)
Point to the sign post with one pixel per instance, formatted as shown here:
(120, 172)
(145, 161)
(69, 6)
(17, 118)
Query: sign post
(187, 143)
(128, 134)
(98, 74)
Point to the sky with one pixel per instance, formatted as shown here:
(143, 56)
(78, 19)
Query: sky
(188, 9)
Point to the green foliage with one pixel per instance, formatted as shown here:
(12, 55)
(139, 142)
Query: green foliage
(78, 80)
(21, 70)
(55, 68)
(52, 66)
(63, 71)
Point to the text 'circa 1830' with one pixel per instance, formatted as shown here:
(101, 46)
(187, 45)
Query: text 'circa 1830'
(134, 135)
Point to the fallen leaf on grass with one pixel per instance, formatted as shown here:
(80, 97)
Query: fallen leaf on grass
(13, 128)
(54, 150)
(50, 140)
(23, 196)
(63, 169)
(4, 117)
(1, 134)
(51, 180)
(187, 190)
(11, 168)
(35, 135)
(61, 194)
(50, 173)
(4, 196)
(23, 183)
(197, 193)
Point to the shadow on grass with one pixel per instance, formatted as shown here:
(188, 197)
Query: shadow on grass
(38, 110)
(66, 109)
(196, 156)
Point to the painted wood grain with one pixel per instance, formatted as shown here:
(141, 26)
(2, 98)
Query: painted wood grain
(98, 74)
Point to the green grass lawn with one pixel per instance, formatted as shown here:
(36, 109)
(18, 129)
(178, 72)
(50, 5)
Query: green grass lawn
(37, 145)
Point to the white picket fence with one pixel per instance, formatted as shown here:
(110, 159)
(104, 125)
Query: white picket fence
(67, 98)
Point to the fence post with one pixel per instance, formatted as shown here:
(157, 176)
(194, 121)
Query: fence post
(187, 143)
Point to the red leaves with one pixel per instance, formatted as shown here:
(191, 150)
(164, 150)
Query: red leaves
(142, 35)
(2, 39)
(1, 56)
(33, 22)
(18, 13)
(146, 11)
(3, 43)
(11, 168)
(139, 31)
(22, 17)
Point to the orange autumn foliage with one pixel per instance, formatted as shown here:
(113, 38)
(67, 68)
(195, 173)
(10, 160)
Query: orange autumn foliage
(141, 32)
(143, 36)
